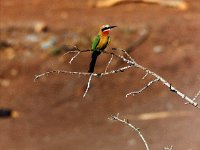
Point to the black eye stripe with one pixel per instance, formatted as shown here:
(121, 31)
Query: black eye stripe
(105, 28)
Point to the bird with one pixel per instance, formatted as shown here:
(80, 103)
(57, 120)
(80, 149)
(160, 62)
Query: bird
(101, 41)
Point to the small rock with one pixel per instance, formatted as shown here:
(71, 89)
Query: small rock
(14, 72)
(64, 15)
(49, 43)
(10, 53)
(4, 82)
(4, 44)
(31, 38)
(158, 49)
(128, 31)
(62, 48)
(40, 27)
(5, 113)
(56, 50)
(67, 48)
(72, 38)
(131, 142)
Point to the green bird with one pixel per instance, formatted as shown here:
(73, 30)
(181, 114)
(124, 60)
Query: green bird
(100, 42)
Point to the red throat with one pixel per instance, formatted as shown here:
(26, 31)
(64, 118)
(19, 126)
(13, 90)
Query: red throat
(106, 32)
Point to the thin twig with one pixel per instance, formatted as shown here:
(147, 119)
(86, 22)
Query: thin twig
(141, 90)
(122, 69)
(58, 72)
(195, 97)
(74, 57)
(88, 85)
(129, 56)
(137, 130)
(145, 75)
(169, 148)
(70, 52)
(75, 51)
(171, 88)
(119, 57)
(109, 63)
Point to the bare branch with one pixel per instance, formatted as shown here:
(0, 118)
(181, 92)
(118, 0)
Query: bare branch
(129, 56)
(74, 57)
(119, 57)
(122, 69)
(88, 85)
(145, 75)
(77, 50)
(171, 88)
(195, 97)
(58, 72)
(145, 87)
(109, 63)
(169, 148)
(137, 130)
(130, 64)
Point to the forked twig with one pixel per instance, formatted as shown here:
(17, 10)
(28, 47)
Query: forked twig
(171, 88)
(137, 130)
(145, 87)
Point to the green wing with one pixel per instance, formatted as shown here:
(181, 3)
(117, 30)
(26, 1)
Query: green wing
(95, 42)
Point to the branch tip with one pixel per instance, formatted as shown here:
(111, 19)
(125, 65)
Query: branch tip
(137, 130)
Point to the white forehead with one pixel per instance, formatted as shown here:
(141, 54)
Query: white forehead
(106, 26)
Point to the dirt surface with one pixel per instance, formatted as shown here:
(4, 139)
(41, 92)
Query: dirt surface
(53, 114)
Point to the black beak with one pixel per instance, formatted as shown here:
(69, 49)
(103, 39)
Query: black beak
(110, 27)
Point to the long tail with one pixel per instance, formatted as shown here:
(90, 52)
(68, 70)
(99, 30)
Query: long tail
(93, 61)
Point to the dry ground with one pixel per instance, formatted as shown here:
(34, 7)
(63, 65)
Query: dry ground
(53, 114)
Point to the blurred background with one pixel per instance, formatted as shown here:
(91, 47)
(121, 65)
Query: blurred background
(51, 113)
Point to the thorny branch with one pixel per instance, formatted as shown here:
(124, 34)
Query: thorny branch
(130, 64)
(137, 130)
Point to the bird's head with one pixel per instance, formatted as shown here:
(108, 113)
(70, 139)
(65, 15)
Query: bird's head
(106, 28)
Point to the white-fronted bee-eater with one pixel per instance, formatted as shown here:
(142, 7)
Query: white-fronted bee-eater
(100, 42)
